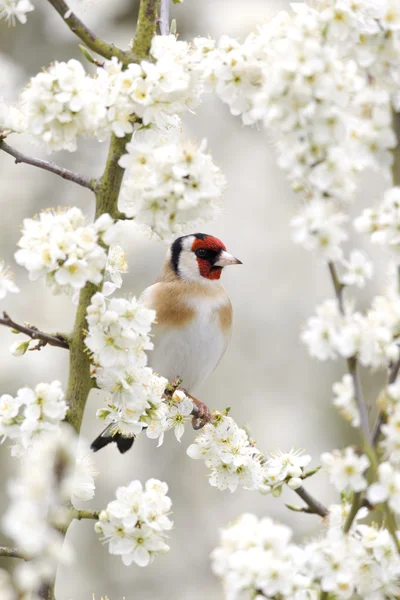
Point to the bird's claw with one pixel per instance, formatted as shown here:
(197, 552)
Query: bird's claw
(202, 414)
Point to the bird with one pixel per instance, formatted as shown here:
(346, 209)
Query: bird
(193, 320)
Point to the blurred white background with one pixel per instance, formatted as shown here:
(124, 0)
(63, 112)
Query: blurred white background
(266, 374)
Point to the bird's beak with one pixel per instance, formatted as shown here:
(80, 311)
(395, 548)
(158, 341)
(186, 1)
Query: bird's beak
(225, 259)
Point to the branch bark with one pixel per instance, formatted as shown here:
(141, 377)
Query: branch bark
(34, 333)
(85, 514)
(107, 192)
(92, 41)
(146, 28)
(12, 553)
(352, 364)
(48, 166)
(315, 507)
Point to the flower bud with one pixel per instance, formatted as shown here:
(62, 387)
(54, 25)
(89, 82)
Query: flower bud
(19, 348)
(294, 483)
(276, 492)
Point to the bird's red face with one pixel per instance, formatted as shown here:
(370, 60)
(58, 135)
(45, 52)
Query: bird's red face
(200, 256)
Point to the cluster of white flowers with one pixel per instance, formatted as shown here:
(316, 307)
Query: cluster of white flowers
(283, 467)
(329, 120)
(7, 284)
(170, 183)
(365, 563)
(383, 223)
(319, 226)
(15, 10)
(61, 103)
(234, 461)
(371, 337)
(229, 454)
(118, 337)
(346, 469)
(61, 247)
(135, 524)
(369, 32)
(256, 556)
(30, 414)
(155, 91)
(39, 493)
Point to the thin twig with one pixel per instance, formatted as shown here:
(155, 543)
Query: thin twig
(355, 507)
(11, 552)
(32, 332)
(362, 408)
(352, 361)
(376, 430)
(338, 285)
(85, 514)
(164, 17)
(48, 166)
(105, 49)
(315, 507)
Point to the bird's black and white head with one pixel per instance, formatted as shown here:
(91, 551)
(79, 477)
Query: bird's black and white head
(199, 256)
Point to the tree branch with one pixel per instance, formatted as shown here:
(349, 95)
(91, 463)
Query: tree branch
(12, 553)
(315, 507)
(164, 17)
(376, 430)
(48, 166)
(146, 28)
(105, 49)
(107, 192)
(352, 361)
(80, 514)
(34, 333)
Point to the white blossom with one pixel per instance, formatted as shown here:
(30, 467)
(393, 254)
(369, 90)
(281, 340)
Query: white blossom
(65, 250)
(345, 400)
(319, 226)
(38, 493)
(383, 222)
(7, 284)
(280, 467)
(170, 184)
(30, 414)
(357, 269)
(370, 337)
(346, 469)
(135, 524)
(180, 409)
(62, 103)
(257, 555)
(15, 10)
(233, 461)
(387, 488)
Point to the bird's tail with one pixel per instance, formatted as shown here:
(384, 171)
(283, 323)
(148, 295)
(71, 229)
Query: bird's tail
(108, 435)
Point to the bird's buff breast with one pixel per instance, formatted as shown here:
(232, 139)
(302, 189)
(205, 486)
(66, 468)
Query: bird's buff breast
(193, 348)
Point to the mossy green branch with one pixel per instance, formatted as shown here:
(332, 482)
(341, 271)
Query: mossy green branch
(91, 40)
(146, 28)
(107, 190)
(79, 382)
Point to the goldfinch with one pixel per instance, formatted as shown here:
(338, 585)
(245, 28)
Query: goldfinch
(194, 319)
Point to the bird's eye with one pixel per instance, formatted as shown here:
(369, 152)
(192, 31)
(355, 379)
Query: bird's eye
(201, 253)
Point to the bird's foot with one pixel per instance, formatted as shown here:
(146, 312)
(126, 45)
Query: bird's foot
(201, 413)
